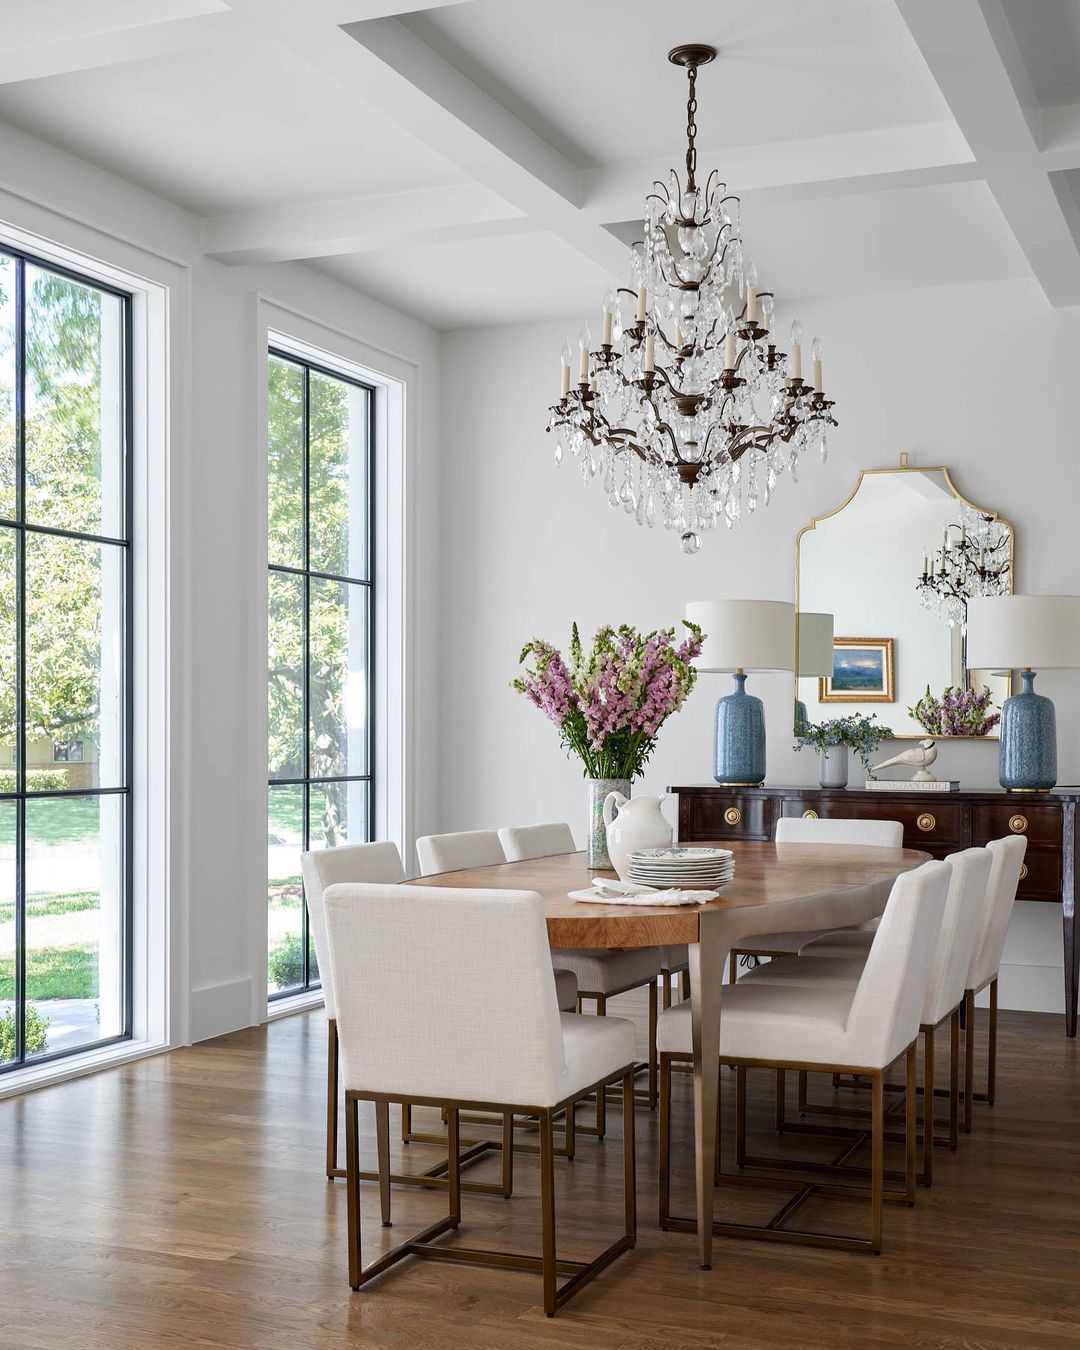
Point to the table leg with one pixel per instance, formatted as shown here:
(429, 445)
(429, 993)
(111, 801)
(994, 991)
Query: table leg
(707, 957)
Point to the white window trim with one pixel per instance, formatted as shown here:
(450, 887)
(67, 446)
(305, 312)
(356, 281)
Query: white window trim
(393, 379)
(159, 957)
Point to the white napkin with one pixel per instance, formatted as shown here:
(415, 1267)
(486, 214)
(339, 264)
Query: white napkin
(626, 893)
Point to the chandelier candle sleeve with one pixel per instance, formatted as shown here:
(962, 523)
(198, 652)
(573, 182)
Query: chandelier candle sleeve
(696, 413)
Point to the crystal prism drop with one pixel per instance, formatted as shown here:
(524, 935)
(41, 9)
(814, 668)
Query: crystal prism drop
(689, 543)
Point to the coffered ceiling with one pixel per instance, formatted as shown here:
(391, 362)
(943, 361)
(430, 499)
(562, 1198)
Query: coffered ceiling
(486, 161)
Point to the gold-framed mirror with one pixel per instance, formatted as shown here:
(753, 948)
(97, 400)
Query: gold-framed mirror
(892, 566)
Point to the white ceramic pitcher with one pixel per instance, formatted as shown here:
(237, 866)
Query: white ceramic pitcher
(639, 824)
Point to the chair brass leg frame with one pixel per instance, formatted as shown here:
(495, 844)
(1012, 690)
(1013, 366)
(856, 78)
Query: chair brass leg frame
(926, 1091)
(855, 1139)
(434, 1178)
(646, 1098)
(547, 1264)
(684, 987)
(774, 1230)
(970, 1095)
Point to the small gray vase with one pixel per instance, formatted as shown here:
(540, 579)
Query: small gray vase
(834, 767)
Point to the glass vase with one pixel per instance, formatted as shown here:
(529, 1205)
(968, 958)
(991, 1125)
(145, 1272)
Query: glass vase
(834, 767)
(596, 791)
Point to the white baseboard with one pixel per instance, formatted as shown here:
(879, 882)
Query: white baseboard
(219, 1008)
(1029, 988)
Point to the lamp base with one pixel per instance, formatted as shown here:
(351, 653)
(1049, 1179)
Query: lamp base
(1028, 756)
(740, 738)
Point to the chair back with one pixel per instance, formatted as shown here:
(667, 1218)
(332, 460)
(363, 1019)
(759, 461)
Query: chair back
(522, 842)
(879, 833)
(324, 867)
(961, 929)
(1007, 857)
(445, 993)
(886, 1011)
(456, 852)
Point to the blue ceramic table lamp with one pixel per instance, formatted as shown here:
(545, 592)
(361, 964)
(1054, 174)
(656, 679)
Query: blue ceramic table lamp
(743, 636)
(1025, 633)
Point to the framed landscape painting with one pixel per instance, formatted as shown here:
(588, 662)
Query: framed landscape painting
(862, 672)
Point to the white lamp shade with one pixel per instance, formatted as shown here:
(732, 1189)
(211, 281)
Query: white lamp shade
(745, 634)
(1007, 632)
(815, 643)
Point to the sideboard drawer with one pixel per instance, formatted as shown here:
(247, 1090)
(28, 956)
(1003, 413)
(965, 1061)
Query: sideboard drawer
(1041, 824)
(727, 817)
(1040, 877)
(933, 822)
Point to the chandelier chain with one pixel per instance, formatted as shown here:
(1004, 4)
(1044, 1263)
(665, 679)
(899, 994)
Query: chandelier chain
(691, 128)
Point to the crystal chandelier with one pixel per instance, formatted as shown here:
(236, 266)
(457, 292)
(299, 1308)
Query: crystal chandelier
(695, 388)
(974, 559)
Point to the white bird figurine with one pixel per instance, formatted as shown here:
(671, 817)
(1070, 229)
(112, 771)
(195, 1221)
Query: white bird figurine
(920, 758)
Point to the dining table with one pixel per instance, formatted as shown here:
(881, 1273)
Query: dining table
(776, 888)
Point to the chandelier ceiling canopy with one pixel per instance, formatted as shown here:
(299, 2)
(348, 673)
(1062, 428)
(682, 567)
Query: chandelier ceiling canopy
(695, 388)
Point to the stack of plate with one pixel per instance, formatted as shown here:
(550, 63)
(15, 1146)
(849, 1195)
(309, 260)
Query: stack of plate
(702, 867)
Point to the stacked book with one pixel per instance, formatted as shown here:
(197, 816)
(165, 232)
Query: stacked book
(682, 867)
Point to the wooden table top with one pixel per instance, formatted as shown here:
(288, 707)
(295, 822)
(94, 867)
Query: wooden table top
(765, 874)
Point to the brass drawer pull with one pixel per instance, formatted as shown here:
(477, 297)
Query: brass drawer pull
(1023, 871)
(1018, 824)
(732, 815)
(926, 822)
(810, 815)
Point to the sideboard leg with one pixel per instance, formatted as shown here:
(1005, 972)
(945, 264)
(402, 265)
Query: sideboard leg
(1072, 968)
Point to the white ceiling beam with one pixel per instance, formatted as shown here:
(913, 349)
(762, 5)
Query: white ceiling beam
(360, 225)
(28, 23)
(388, 67)
(109, 47)
(972, 55)
(836, 165)
(1059, 143)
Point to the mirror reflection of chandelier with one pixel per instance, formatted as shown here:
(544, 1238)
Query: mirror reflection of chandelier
(694, 387)
(974, 559)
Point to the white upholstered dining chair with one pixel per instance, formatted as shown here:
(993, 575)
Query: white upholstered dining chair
(372, 864)
(1005, 872)
(379, 862)
(521, 843)
(462, 1040)
(466, 849)
(1006, 862)
(838, 958)
(599, 975)
(825, 1026)
(812, 830)
(458, 852)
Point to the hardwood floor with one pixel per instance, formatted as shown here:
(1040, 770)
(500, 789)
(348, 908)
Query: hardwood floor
(180, 1201)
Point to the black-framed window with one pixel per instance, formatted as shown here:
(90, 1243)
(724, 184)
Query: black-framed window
(65, 662)
(321, 624)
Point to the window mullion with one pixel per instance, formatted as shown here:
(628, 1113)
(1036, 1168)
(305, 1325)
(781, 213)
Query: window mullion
(20, 661)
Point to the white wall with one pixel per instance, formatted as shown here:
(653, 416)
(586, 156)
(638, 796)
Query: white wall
(218, 774)
(977, 378)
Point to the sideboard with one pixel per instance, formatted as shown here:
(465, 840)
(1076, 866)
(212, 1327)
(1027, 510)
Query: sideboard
(937, 822)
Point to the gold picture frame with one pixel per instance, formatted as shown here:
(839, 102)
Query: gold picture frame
(871, 679)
